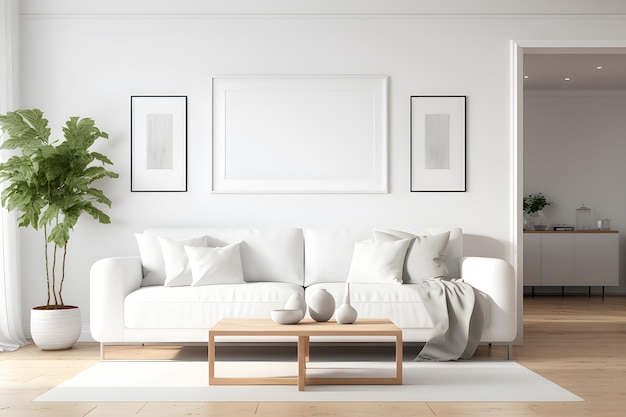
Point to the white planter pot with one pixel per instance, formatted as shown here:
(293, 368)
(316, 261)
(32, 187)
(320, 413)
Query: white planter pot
(55, 329)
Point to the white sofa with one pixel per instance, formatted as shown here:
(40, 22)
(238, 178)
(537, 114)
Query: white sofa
(275, 263)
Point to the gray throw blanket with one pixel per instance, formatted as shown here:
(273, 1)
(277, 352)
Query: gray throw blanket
(457, 319)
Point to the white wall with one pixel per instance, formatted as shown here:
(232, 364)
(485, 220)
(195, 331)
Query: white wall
(574, 148)
(88, 58)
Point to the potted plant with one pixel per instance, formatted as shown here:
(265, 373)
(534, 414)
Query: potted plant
(533, 207)
(50, 184)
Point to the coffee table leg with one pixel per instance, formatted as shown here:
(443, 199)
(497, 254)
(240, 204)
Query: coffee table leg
(211, 357)
(303, 356)
(399, 359)
(307, 349)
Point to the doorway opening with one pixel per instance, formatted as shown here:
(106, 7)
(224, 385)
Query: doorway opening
(562, 67)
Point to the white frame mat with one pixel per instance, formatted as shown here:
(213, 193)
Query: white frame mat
(300, 134)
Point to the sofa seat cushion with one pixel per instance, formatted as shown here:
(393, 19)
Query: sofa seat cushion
(201, 307)
(401, 304)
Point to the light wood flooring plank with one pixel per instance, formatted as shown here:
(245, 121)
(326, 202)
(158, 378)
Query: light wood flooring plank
(363, 409)
(243, 409)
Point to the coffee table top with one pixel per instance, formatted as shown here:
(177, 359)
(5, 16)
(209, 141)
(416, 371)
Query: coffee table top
(306, 327)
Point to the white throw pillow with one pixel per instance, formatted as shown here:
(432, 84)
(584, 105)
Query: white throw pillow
(151, 260)
(425, 257)
(177, 271)
(211, 266)
(378, 262)
(152, 256)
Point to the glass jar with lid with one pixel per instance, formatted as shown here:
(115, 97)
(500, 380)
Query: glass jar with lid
(583, 218)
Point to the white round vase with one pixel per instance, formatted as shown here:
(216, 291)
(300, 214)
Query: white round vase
(321, 305)
(55, 329)
(296, 302)
(346, 314)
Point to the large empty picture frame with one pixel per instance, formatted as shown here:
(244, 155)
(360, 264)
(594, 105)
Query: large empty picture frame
(300, 134)
(438, 143)
(158, 143)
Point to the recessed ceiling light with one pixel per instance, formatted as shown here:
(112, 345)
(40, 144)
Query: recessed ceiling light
(599, 67)
(525, 76)
(567, 78)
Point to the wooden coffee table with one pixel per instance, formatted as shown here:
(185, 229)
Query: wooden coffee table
(304, 330)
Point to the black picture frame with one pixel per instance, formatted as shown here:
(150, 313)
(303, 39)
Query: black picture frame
(438, 143)
(158, 137)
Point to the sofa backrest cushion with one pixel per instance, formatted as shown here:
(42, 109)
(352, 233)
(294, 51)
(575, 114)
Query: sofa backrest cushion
(425, 258)
(328, 252)
(153, 258)
(274, 255)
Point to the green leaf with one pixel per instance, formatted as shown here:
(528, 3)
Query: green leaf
(98, 214)
(28, 127)
(59, 235)
(48, 216)
(98, 156)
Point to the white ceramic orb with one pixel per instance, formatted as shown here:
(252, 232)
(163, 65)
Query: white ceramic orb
(321, 305)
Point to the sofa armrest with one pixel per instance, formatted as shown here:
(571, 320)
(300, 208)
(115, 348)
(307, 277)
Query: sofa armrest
(495, 279)
(112, 279)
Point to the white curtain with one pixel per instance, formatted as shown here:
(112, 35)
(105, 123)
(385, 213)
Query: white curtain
(11, 331)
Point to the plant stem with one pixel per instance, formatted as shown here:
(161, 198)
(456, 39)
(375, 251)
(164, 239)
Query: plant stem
(54, 274)
(62, 275)
(45, 238)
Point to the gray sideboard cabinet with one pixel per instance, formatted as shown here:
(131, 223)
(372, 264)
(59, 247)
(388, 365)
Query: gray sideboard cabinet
(571, 258)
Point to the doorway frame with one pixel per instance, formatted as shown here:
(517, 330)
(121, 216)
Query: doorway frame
(518, 49)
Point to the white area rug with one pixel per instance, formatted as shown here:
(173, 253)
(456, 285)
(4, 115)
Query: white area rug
(177, 381)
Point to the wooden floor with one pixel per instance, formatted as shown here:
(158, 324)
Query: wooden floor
(577, 342)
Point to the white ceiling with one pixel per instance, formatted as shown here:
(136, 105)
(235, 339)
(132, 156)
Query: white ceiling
(547, 69)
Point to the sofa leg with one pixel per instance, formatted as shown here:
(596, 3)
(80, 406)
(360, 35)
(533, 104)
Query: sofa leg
(510, 351)
(101, 351)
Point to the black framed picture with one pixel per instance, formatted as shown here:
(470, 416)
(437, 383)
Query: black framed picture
(158, 143)
(438, 130)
